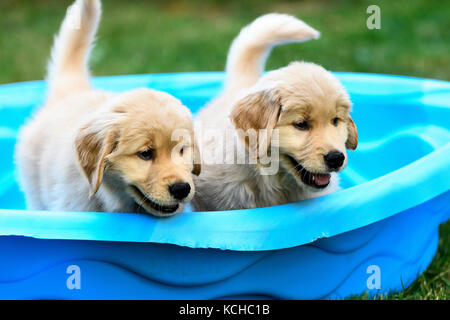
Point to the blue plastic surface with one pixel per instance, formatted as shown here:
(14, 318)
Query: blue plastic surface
(395, 194)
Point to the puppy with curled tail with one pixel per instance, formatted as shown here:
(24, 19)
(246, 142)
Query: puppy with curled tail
(92, 150)
(296, 119)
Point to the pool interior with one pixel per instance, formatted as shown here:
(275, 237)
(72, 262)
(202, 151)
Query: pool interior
(394, 129)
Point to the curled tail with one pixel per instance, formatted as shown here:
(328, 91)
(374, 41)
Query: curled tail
(68, 67)
(250, 49)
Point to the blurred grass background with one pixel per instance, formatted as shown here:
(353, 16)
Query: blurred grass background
(194, 35)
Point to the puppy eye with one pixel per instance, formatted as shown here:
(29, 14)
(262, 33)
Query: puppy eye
(335, 121)
(146, 155)
(304, 125)
(182, 151)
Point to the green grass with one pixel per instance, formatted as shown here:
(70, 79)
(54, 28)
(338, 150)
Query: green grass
(194, 35)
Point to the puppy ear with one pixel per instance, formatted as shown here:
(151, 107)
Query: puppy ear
(352, 139)
(92, 148)
(197, 160)
(256, 111)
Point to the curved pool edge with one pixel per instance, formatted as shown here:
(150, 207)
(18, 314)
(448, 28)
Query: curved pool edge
(331, 215)
(398, 248)
(388, 222)
(326, 216)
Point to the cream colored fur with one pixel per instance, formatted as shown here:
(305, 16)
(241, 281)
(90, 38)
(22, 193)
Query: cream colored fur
(80, 151)
(277, 100)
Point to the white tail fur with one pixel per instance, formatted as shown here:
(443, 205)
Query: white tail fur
(68, 67)
(250, 49)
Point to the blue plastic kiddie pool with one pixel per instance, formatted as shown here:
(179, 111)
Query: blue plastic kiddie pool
(377, 234)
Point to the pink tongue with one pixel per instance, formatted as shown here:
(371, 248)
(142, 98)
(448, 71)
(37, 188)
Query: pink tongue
(321, 179)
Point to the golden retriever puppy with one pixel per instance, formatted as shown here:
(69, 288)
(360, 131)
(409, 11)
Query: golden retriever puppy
(294, 123)
(90, 150)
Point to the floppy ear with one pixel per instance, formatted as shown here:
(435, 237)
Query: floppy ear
(197, 160)
(352, 139)
(92, 148)
(256, 111)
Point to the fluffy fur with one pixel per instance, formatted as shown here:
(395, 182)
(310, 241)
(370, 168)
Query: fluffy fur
(83, 150)
(281, 99)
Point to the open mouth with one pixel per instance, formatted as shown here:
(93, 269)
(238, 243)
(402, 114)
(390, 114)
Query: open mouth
(316, 180)
(145, 201)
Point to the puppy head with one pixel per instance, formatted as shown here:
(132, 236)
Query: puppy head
(310, 109)
(131, 142)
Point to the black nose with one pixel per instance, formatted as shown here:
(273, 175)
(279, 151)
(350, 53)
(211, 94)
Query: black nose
(180, 190)
(334, 159)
